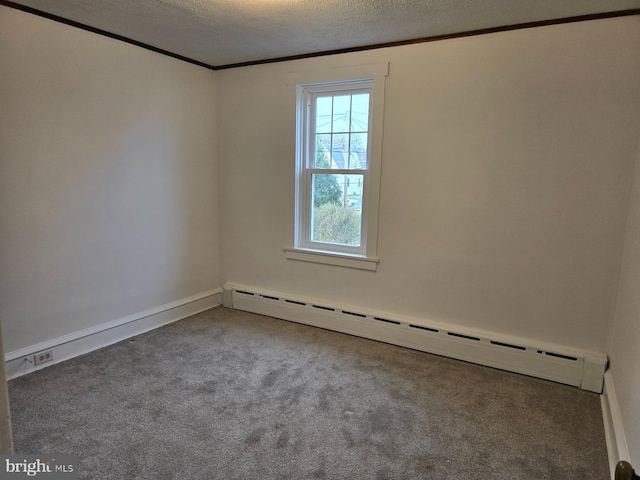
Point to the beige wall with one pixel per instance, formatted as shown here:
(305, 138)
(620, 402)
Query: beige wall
(505, 181)
(108, 179)
(624, 349)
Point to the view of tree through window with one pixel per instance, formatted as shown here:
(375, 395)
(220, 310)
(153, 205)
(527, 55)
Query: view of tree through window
(341, 137)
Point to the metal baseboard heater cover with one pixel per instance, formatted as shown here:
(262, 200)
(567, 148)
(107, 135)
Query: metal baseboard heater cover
(578, 368)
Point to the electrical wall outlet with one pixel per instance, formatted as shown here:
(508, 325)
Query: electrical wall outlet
(43, 357)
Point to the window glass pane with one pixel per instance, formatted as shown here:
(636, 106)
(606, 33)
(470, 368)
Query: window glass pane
(323, 114)
(336, 216)
(323, 151)
(340, 150)
(360, 113)
(358, 151)
(341, 113)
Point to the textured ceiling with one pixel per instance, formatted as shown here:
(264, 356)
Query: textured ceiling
(222, 32)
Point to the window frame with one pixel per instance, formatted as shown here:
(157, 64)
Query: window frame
(309, 94)
(350, 80)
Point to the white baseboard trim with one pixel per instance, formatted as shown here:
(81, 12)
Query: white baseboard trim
(90, 339)
(617, 448)
(551, 362)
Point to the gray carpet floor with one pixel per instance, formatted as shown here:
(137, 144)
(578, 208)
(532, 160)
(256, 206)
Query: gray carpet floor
(231, 395)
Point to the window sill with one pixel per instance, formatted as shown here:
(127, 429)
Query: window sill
(331, 258)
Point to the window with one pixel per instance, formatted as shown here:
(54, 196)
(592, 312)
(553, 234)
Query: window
(339, 146)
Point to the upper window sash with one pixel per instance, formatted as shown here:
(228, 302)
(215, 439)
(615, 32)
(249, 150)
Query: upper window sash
(310, 127)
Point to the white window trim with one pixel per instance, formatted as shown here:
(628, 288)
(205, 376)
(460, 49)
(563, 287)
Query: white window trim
(365, 258)
(332, 258)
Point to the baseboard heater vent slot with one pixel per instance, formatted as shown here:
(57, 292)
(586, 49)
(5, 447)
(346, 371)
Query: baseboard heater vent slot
(420, 327)
(386, 321)
(324, 308)
(565, 357)
(515, 354)
(296, 303)
(508, 345)
(353, 314)
(270, 298)
(466, 337)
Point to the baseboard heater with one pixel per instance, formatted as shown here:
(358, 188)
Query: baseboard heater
(578, 368)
